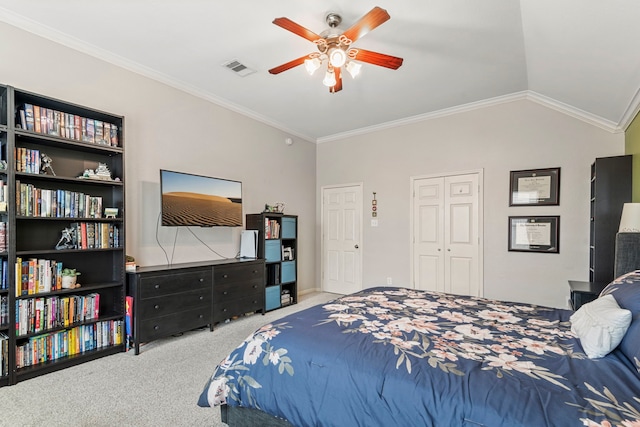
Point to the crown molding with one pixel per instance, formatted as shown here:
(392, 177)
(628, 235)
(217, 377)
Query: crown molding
(574, 112)
(524, 95)
(631, 112)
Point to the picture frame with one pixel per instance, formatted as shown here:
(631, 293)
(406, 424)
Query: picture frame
(534, 234)
(535, 187)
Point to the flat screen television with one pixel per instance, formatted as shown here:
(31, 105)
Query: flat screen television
(197, 200)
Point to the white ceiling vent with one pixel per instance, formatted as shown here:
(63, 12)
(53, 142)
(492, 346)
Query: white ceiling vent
(238, 68)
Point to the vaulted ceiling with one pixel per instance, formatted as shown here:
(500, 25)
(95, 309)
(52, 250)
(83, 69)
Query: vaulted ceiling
(578, 56)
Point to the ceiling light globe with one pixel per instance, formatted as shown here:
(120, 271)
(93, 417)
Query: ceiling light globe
(337, 57)
(311, 65)
(329, 79)
(353, 68)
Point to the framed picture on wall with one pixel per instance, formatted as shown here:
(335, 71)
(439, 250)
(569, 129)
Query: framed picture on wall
(535, 187)
(534, 234)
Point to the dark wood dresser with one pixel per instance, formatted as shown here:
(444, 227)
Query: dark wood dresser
(172, 299)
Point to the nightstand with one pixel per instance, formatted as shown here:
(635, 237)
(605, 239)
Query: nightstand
(584, 292)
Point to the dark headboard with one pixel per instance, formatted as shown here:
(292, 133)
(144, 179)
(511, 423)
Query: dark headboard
(627, 255)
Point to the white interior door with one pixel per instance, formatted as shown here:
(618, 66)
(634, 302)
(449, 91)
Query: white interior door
(341, 246)
(428, 256)
(447, 229)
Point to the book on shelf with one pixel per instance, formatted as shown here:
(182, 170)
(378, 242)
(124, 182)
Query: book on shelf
(48, 121)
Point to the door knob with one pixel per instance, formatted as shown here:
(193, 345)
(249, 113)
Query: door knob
(355, 246)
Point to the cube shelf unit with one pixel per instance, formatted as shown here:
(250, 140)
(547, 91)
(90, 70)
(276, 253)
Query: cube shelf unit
(277, 245)
(46, 327)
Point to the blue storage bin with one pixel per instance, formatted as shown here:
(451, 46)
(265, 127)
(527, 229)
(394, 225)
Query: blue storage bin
(288, 271)
(272, 250)
(272, 298)
(288, 228)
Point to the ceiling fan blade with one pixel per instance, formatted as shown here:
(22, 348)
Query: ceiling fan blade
(338, 86)
(376, 58)
(288, 65)
(298, 29)
(368, 22)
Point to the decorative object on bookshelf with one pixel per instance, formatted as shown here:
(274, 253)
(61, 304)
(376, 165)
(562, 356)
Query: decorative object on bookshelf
(110, 212)
(45, 164)
(276, 208)
(69, 278)
(67, 238)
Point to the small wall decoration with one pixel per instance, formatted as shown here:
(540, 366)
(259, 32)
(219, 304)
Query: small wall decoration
(534, 234)
(374, 206)
(535, 187)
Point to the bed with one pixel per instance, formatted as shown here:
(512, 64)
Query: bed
(402, 357)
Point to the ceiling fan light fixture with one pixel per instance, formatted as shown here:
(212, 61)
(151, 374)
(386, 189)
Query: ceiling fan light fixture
(311, 65)
(329, 78)
(337, 57)
(353, 68)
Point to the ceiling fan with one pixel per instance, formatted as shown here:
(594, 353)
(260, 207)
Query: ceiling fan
(335, 46)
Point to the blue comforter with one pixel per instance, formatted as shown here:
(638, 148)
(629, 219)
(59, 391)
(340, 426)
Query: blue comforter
(402, 357)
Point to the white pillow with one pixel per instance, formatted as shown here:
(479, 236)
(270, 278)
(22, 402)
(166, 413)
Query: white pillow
(600, 325)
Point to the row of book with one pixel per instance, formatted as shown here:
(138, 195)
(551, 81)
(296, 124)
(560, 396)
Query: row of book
(4, 354)
(4, 274)
(65, 125)
(36, 315)
(37, 276)
(4, 193)
(28, 160)
(93, 235)
(3, 242)
(271, 229)
(4, 310)
(50, 347)
(41, 202)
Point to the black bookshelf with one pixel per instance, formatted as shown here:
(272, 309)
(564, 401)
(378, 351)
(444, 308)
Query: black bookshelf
(64, 166)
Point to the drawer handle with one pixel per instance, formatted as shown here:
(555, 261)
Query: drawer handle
(157, 286)
(201, 279)
(156, 306)
(200, 316)
(156, 327)
(201, 297)
(255, 286)
(225, 293)
(225, 276)
(224, 309)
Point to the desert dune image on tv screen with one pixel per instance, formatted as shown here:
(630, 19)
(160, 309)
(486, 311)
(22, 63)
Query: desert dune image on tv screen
(200, 201)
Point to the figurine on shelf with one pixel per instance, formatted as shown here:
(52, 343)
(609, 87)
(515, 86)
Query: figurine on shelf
(45, 163)
(67, 239)
(103, 172)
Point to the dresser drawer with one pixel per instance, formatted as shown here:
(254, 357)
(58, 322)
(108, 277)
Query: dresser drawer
(229, 291)
(169, 304)
(152, 286)
(225, 309)
(158, 327)
(238, 273)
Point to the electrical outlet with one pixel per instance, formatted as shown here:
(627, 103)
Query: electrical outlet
(389, 281)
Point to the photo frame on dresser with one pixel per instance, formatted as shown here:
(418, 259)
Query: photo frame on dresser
(534, 187)
(534, 234)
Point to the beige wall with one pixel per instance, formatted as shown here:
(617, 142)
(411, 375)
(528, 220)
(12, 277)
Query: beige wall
(166, 128)
(512, 136)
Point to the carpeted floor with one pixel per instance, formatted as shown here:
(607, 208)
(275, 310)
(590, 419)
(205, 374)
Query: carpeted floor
(159, 387)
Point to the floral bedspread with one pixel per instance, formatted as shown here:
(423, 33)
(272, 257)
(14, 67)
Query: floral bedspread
(402, 357)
